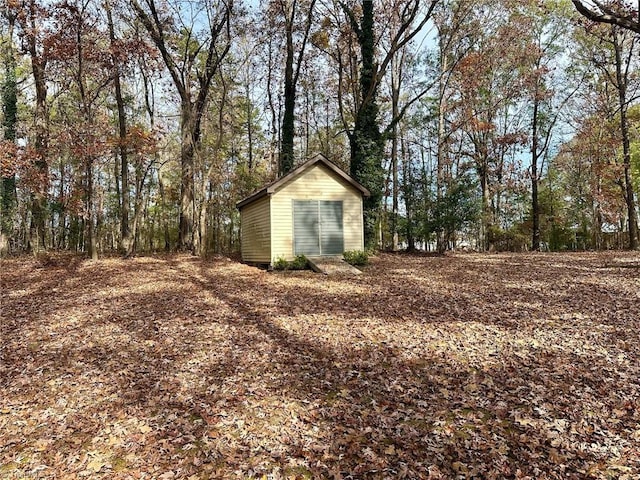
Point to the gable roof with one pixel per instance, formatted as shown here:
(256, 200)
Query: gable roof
(318, 159)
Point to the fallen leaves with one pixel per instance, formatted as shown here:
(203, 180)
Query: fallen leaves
(471, 366)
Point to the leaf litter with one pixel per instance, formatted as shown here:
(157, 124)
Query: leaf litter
(464, 366)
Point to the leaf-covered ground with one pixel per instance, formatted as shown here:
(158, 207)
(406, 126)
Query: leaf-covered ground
(467, 366)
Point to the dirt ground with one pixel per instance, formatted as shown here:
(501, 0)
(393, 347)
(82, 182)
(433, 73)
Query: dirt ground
(462, 366)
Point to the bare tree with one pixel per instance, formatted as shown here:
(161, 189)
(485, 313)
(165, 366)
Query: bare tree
(192, 59)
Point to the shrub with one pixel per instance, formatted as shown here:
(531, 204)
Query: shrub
(511, 240)
(298, 263)
(356, 257)
(280, 264)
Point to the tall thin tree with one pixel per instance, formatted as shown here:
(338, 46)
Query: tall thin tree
(125, 233)
(290, 9)
(10, 110)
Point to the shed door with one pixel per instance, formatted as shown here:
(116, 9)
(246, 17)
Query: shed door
(331, 235)
(317, 227)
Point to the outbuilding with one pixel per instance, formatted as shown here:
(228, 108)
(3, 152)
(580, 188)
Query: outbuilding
(315, 210)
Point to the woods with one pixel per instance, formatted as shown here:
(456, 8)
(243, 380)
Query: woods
(137, 126)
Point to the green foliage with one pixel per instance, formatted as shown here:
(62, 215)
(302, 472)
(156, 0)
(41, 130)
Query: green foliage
(356, 257)
(366, 168)
(559, 219)
(300, 262)
(561, 237)
(457, 208)
(246, 180)
(281, 263)
(10, 103)
(514, 239)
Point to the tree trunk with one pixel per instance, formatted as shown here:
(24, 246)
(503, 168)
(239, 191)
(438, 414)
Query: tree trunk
(443, 144)
(408, 185)
(164, 216)
(621, 79)
(9, 200)
(125, 239)
(396, 78)
(485, 223)
(62, 216)
(272, 108)
(249, 129)
(291, 76)
(535, 155)
(366, 141)
(91, 238)
(137, 215)
(38, 199)
(285, 163)
(187, 154)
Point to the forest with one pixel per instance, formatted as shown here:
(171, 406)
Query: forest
(136, 126)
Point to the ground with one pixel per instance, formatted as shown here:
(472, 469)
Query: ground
(462, 366)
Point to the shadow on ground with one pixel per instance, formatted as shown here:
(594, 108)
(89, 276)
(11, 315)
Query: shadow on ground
(470, 367)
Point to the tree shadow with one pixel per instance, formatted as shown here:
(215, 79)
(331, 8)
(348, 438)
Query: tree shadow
(243, 372)
(399, 395)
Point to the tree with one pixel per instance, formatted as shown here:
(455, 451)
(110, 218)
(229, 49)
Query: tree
(8, 200)
(623, 62)
(91, 163)
(192, 58)
(617, 63)
(125, 240)
(289, 10)
(366, 138)
(454, 23)
(488, 80)
(76, 50)
(548, 29)
(456, 209)
(30, 14)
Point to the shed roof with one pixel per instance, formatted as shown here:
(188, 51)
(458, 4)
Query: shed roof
(296, 172)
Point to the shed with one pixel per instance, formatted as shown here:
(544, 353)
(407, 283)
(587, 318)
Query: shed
(315, 210)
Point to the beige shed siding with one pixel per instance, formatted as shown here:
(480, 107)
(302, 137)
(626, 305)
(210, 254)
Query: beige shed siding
(256, 232)
(318, 183)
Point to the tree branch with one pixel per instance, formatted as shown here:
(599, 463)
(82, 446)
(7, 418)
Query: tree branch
(607, 16)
